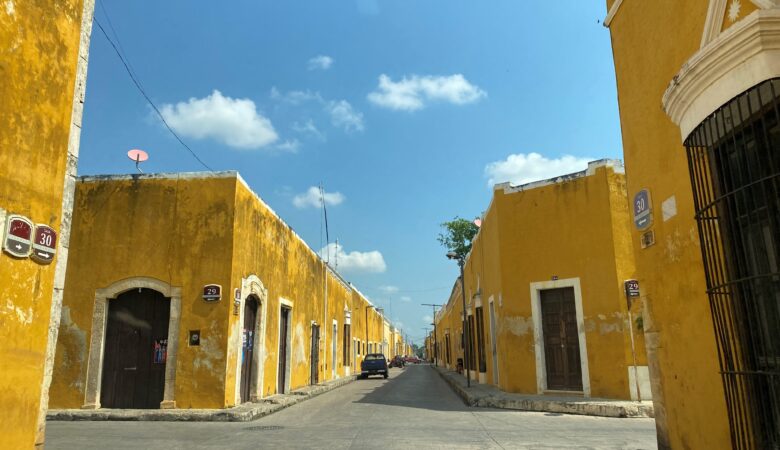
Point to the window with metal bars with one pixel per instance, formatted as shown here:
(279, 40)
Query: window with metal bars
(734, 162)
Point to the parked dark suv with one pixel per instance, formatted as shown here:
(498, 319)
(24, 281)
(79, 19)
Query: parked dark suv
(373, 364)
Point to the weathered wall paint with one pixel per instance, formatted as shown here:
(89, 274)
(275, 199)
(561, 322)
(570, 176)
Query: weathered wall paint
(189, 230)
(576, 227)
(688, 395)
(43, 49)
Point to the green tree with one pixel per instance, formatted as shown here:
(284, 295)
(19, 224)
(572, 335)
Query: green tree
(457, 235)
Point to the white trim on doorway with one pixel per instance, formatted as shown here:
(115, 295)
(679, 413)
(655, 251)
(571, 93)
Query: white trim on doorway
(285, 304)
(536, 312)
(251, 286)
(97, 342)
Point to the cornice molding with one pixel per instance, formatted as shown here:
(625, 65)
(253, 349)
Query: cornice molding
(739, 58)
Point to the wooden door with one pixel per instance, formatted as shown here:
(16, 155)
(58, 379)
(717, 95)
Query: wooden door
(315, 354)
(561, 340)
(247, 347)
(136, 350)
(283, 331)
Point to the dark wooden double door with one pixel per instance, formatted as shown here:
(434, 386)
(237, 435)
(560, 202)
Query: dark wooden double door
(315, 354)
(136, 350)
(561, 340)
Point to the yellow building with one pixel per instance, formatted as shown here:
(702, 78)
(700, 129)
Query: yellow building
(44, 52)
(545, 297)
(699, 93)
(187, 291)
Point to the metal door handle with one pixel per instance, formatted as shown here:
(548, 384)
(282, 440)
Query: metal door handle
(130, 368)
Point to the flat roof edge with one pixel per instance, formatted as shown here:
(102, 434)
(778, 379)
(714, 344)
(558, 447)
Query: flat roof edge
(615, 164)
(159, 176)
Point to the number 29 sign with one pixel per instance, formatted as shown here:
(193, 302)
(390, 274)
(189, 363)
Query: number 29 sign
(212, 292)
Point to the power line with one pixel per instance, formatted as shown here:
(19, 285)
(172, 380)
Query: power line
(149, 100)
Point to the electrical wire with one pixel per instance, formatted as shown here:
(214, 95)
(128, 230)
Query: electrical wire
(148, 99)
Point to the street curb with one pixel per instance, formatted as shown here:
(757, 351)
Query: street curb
(495, 398)
(242, 413)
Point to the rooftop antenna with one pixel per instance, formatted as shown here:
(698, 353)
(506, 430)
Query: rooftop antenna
(138, 156)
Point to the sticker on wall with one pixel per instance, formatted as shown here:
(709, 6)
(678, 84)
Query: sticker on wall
(212, 292)
(643, 211)
(160, 351)
(44, 244)
(669, 208)
(17, 240)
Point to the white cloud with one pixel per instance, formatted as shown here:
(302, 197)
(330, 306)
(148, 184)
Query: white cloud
(344, 116)
(234, 122)
(524, 168)
(320, 62)
(308, 128)
(291, 146)
(406, 299)
(388, 289)
(312, 198)
(294, 97)
(371, 261)
(429, 319)
(413, 93)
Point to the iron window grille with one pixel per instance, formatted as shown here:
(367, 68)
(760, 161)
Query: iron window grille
(734, 163)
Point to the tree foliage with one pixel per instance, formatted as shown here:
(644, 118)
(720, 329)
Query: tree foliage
(457, 235)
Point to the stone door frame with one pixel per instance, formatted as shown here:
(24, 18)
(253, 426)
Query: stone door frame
(97, 341)
(251, 286)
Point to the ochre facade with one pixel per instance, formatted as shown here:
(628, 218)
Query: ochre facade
(676, 64)
(43, 50)
(570, 234)
(176, 233)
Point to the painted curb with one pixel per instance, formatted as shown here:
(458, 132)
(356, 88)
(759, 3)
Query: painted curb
(502, 400)
(243, 413)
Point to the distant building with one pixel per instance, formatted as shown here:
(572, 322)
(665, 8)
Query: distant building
(547, 310)
(186, 291)
(44, 48)
(699, 92)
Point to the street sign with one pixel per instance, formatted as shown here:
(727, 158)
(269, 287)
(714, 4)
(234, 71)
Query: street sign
(212, 292)
(44, 244)
(632, 290)
(18, 236)
(643, 209)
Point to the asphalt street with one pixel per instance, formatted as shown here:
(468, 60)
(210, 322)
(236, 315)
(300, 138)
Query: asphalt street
(412, 409)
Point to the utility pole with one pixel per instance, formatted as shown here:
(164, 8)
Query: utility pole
(435, 337)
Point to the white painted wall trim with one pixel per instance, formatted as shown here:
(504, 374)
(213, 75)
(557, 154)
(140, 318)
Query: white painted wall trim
(251, 286)
(68, 194)
(536, 312)
(766, 4)
(97, 341)
(283, 303)
(744, 55)
(714, 22)
(644, 382)
(612, 12)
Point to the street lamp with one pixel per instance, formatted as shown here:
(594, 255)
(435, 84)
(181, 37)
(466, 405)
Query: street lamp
(466, 337)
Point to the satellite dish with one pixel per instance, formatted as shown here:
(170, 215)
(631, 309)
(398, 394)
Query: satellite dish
(138, 156)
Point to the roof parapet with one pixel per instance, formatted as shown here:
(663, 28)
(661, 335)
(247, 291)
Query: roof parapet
(615, 164)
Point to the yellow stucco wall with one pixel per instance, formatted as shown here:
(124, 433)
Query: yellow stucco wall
(572, 229)
(189, 230)
(39, 47)
(689, 400)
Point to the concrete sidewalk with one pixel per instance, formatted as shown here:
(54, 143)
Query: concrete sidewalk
(241, 413)
(491, 397)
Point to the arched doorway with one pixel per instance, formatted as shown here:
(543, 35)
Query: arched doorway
(136, 350)
(247, 347)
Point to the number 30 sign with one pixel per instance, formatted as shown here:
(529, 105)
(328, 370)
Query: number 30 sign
(44, 244)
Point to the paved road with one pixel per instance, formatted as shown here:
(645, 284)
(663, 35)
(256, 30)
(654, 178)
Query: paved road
(413, 409)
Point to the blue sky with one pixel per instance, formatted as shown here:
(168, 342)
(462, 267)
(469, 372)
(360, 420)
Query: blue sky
(404, 110)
